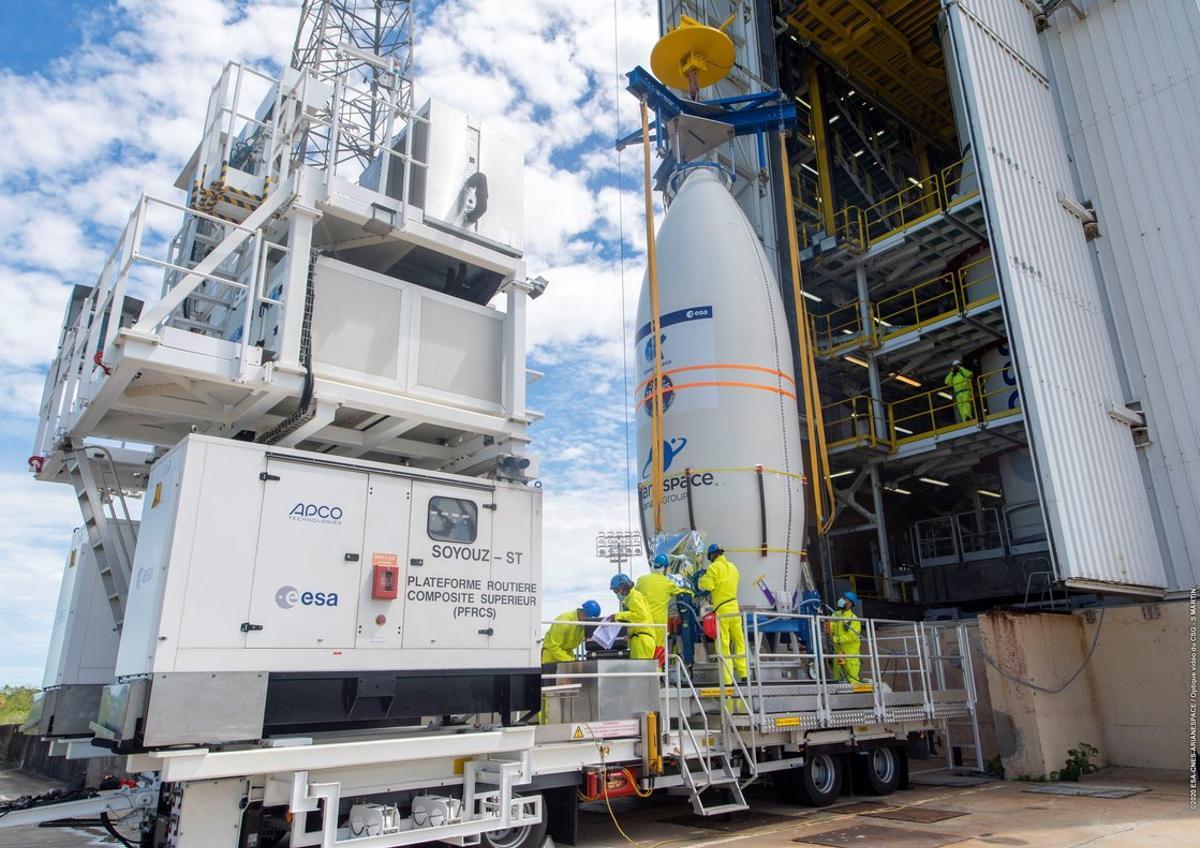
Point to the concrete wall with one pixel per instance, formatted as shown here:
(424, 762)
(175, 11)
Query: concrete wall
(1130, 701)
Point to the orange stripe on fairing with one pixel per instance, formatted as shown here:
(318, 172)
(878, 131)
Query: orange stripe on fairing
(719, 383)
(761, 368)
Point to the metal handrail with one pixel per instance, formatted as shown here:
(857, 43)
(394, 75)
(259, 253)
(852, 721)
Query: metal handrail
(835, 333)
(861, 409)
(914, 308)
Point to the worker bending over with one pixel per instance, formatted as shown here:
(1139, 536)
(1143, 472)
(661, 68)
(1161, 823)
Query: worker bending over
(961, 381)
(845, 631)
(721, 581)
(566, 634)
(659, 589)
(635, 609)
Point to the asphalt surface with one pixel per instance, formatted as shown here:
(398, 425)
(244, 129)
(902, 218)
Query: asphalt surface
(927, 816)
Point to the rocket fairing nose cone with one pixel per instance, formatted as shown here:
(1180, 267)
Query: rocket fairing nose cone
(729, 392)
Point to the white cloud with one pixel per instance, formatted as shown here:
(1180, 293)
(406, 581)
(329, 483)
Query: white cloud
(118, 115)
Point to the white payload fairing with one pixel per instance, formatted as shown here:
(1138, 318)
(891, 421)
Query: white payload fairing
(732, 458)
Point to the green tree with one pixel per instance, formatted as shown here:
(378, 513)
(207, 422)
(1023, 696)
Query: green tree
(15, 702)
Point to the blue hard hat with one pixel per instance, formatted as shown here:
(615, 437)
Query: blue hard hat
(661, 561)
(851, 597)
(591, 609)
(620, 581)
(714, 548)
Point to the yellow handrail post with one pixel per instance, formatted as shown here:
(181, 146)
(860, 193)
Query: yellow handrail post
(821, 143)
(813, 417)
(656, 419)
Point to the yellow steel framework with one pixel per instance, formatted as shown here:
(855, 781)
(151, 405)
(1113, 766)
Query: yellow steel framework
(861, 229)
(907, 311)
(888, 48)
(861, 421)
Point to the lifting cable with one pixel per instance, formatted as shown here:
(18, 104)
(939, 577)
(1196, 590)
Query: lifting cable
(626, 400)
(824, 501)
(656, 411)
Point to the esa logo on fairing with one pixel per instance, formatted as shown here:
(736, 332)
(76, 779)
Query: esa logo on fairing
(316, 513)
(289, 596)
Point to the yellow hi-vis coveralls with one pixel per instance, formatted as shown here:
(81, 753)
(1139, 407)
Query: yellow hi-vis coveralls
(658, 589)
(637, 611)
(721, 580)
(566, 634)
(962, 381)
(845, 633)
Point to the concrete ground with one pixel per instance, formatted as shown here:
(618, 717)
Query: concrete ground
(994, 813)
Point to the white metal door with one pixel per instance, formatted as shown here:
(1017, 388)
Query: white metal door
(1091, 484)
(513, 590)
(449, 565)
(308, 563)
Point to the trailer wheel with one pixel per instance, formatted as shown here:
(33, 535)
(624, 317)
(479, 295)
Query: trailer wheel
(529, 836)
(816, 784)
(878, 770)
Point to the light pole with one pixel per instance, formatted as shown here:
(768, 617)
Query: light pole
(618, 546)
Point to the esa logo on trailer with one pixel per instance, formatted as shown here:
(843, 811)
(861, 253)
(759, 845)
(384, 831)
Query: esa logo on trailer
(316, 513)
(289, 596)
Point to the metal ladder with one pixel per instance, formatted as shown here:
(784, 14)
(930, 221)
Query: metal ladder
(711, 751)
(111, 544)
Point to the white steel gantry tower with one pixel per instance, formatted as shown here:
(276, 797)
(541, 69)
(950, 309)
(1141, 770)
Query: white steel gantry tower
(347, 278)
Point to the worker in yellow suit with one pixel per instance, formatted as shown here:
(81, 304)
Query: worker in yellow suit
(659, 589)
(635, 609)
(845, 631)
(721, 581)
(566, 634)
(961, 381)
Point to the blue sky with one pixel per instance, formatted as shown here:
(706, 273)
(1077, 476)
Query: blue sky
(102, 101)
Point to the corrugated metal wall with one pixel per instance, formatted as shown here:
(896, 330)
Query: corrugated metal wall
(1091, 481)
(1128, 77)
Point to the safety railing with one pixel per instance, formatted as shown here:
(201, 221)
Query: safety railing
(216, 307)
(841, 329)
(862, 228)
(856, 421)
(977, 283)
(871, 586)
(899, 211)
(890, 675)
(959, 182)
(965, 536)
(861, 421)
(916, 308)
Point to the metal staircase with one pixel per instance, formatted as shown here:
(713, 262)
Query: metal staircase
(112, 537)
(714, 761)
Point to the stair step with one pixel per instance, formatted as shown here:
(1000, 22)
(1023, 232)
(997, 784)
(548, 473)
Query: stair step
(720, 809)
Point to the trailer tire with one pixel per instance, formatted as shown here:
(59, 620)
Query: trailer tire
(529, 836)
(815, 784)
(878, 770)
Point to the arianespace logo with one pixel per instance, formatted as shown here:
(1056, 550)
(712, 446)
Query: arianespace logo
(671, 449)
(316, 513)
(289, 596)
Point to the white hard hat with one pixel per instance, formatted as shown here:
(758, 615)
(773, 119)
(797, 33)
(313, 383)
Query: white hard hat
(956, 362)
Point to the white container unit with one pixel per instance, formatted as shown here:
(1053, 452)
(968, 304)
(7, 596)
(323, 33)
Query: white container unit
(730, 393)
(83, 649)
(267, 574)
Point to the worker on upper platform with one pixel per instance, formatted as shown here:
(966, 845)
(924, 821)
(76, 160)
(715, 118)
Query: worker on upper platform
(845, 631)
(721, 581)
(961, 381)
(566, 634)
(659, 589)
(635, 609)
